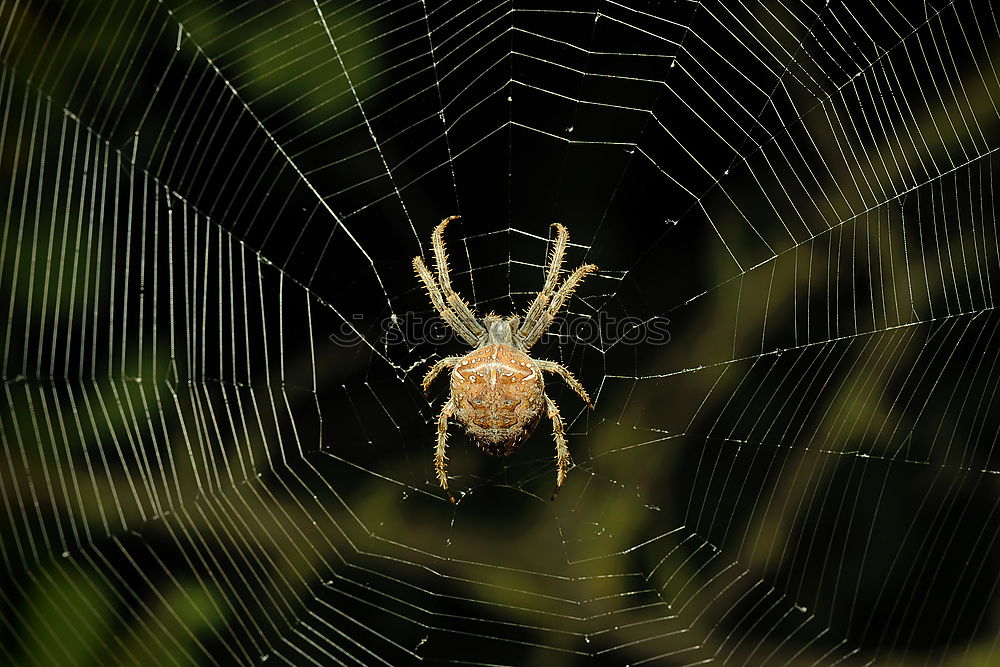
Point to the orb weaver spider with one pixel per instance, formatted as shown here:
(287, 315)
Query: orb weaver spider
(497, 390)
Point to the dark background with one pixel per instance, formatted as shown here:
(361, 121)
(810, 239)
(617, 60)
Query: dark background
(213, 453)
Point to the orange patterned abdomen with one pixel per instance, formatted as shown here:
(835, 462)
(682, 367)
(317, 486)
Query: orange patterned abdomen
(499, 396)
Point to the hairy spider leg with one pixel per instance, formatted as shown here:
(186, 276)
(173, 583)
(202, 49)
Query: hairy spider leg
(531, 318)
(440, 459)
(531, 335)
(451, 297)
(562, 449)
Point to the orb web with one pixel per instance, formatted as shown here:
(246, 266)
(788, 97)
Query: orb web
(215, 445)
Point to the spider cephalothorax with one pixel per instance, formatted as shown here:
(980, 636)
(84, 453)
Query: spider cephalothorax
(497, 390)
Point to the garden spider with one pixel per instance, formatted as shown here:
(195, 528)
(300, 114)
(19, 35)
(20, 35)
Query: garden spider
(497, 390)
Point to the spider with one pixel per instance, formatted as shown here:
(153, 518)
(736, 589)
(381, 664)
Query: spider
(497, 390)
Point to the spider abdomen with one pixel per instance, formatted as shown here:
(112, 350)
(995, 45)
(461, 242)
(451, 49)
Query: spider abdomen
(499, 396)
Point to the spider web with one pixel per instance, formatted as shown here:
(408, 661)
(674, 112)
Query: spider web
(215, 447)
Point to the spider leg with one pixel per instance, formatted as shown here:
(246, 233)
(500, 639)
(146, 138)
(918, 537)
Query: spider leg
(551, 277)
(562, 449)
(440, 460)
(567, 375)
(451, 297)
(447, 362)
(437, 299)
(544, 320)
